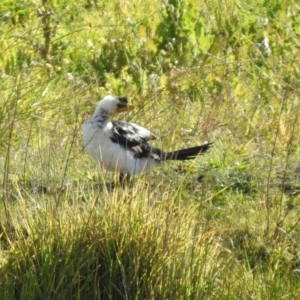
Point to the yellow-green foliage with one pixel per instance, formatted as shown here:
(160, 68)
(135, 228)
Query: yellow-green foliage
(225, 226)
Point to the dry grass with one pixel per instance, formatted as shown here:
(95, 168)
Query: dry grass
(225, 226)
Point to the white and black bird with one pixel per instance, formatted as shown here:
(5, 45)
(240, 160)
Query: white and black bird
(124, 147)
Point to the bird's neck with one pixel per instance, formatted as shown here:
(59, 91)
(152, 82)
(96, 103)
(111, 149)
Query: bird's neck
(101, 117)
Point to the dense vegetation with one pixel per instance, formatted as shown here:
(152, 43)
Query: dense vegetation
(225, 226)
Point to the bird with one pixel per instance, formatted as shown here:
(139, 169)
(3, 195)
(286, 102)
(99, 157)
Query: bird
(125, 147)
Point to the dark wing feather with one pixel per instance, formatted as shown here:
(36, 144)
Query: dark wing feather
(130, 135)
(146, 150)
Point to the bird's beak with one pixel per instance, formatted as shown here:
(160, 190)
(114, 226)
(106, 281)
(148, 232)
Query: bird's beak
(126, 107)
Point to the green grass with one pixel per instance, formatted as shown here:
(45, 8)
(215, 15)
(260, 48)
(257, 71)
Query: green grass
(225, 226)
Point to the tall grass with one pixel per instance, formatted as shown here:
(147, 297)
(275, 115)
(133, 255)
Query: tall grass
(225, 226)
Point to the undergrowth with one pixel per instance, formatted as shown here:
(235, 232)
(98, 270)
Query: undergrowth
(224, 226)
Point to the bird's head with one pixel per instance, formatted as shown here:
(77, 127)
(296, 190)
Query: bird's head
(113, 104)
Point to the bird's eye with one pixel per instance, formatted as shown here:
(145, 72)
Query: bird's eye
(121, 105)
(123, 100)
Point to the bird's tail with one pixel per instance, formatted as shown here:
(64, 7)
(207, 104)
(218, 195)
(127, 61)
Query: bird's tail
(189, 153)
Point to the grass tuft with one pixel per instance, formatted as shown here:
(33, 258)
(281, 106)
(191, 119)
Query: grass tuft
(224, 226)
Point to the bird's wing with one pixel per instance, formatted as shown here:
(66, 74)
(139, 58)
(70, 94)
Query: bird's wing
(130, 135)
(146, 150)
